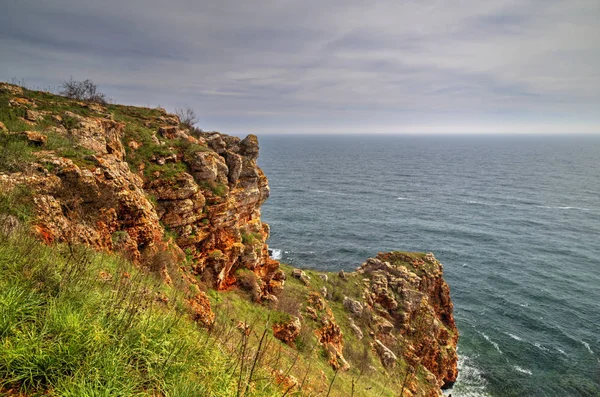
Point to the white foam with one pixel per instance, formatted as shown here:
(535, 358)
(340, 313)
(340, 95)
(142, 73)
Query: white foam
(561, 351)
(522, 370)
(276, 254)
(539, 346)
(558, 207)
(491, 341)
(515, 337)
(470, 381)
(587, 346)
(334, 193)
(403, 198)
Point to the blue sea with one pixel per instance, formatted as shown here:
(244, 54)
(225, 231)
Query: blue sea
(514, 219)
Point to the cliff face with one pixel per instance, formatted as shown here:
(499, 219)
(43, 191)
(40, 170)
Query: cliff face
(137, 181)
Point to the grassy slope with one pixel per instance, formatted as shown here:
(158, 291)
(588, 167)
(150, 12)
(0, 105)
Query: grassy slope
(78, 323)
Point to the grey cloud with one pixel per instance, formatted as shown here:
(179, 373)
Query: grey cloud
(271, 65)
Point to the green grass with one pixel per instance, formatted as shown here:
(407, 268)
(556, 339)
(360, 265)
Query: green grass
(17, 202)
(251, 238)
(78, 323)
(216, 188)
(15, 152)
(168, 171)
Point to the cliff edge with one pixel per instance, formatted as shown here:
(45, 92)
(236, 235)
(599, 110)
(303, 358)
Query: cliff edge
(185, 205)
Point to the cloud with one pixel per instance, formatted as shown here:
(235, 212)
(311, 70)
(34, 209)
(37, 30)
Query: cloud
(283, 65)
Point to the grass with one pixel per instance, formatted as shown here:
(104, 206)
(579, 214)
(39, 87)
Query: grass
(15, 152)
(251, 238)
(216, 188)
(17, 202)
(78, 323)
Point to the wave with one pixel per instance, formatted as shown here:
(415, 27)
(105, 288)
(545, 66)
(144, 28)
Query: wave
(539, 346)
(524, 205)
(330, 192)
(515, 337)
(561, 351)
(522, 370)
(491, 341)
(470, 381)
(403, 198)
(587, 346)
(553, 207)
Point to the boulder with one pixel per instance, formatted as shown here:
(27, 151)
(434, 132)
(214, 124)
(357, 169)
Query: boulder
(353, 306)
(387, 357)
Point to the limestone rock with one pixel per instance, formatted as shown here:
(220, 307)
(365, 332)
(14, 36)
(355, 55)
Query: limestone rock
(323, 291)
(331, 337)
(37, 138)
(355, 329)
(200, 308)
(10, 89)
(414, 296)
(287, 332)
(32, 115)
(388, 358)
(353, 306)
(249, 147)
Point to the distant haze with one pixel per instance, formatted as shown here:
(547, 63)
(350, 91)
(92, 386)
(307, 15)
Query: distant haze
(338, 66)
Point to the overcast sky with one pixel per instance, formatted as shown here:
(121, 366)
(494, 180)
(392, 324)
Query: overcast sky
(326, 66)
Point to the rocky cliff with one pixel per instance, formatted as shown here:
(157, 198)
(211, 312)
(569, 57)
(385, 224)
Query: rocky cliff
(185, 204)
(137, 181)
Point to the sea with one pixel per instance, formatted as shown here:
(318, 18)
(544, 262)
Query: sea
(514, 219)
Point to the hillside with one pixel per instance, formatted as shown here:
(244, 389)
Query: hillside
(133, 261)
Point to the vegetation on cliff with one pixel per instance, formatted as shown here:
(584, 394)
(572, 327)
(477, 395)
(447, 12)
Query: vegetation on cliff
(133, 261)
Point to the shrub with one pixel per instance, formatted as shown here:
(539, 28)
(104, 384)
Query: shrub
(289, 304)
(249, 282)
(187, 116)
(85, 90)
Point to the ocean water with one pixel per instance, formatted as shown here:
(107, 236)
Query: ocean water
(515, 221)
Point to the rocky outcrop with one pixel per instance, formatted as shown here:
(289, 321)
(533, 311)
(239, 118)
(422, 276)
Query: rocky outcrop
(331, 337)
(135, 181)
(407, 292)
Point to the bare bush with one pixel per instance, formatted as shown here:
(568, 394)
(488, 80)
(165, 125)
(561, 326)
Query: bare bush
(187, 117)
(288, 304)
(85, 90)
(249, 282)
(358, 354)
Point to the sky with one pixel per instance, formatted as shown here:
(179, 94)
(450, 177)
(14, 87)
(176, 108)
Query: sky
(327, 66)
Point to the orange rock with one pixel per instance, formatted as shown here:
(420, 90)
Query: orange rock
(287, 332)
(201, 310)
